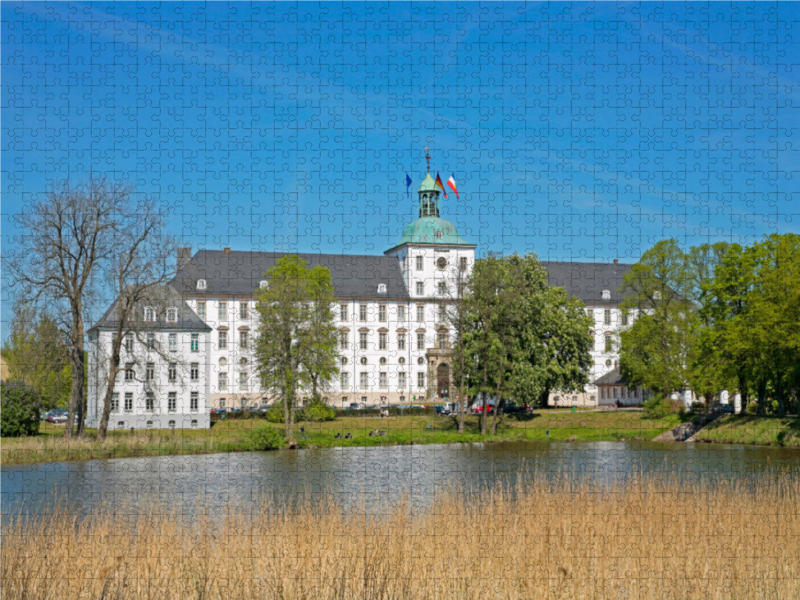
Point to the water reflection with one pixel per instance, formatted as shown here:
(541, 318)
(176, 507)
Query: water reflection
(365, 478)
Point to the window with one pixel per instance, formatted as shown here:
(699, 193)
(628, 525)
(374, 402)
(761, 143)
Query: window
(222, 402)
(149, 401)
(401, 313)
(381, 341)
(441, 338)
(223, 381)
(201, 310)
(609, 344)
(151, 341)
(243, 339)
(401, 360)
(381, 288)
(201, 284)
(172, 315)
(263, 284)
(172, 373)
(383, 381)
(421, 360)
(129, 342)
(243, 383)
(149, 315)
(194, 423)
(195, 343)
(362, 341)
(223, 311)
(402, 398)
(171, 424)
(420, 341)
(344, 360)
(657, 296)
(345, 380)
(194, 371)
(149, 424)
(223, 340)
(342, 340)
(244, 314)
(401, 380)
(382, 312)
(607, 317)
(420, 288)
(343, 312)
(419, 263)
(421, 379)
(401, 341)
(362, 312)
(173, 342)
(363, 360)
(624, 318)
(382, 360)
(363, 381)
(114, 402)
(172, 401)
(462, 263)
(442, 312)
(128, 401)
(442, 288)
(606, 295)
(130, 375)
(150, 373)
(420, 313)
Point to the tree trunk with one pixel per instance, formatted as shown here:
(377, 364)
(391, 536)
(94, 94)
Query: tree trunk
(762, 400)
(483, 412)
(78, 360)
(462, 408)
(497, 395)
(781, 409)
(743, 394)
(112, 381)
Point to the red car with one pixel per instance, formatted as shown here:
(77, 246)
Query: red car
(479, 409)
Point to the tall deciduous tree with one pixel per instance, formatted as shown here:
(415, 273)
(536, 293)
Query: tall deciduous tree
(65, 238)
(320, 360)
(294, 336)
(656, 351)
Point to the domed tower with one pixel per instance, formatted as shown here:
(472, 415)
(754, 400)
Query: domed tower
(433, 259)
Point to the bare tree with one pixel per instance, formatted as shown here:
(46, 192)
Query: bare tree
(65, 238)
(137, 274)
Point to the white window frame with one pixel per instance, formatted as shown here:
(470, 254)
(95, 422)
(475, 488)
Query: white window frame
(172, 315)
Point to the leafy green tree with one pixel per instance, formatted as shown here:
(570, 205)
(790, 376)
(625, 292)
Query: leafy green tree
(20, 409)
(38, 355)
(321, 358)
(656, 351)
(293, 338)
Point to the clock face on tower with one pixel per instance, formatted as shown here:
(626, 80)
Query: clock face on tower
(441, 263)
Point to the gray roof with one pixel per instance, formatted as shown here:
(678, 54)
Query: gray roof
(588, 280)
(161, 298)
(238, 273)
(613, 377)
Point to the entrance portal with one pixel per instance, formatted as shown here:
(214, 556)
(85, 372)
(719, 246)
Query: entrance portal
(443, 380)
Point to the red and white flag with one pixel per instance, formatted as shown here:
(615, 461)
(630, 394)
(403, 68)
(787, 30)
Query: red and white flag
(452, 183)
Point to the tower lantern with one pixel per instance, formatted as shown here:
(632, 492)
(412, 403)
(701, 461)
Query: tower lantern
(428, 192)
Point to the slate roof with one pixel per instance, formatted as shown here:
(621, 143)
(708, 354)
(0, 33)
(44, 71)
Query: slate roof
(611, 378)
(588, 280)
(238, 273)
(163, 297)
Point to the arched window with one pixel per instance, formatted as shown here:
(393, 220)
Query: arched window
(606, 295)
(381, 288)
(201, 284)
(263, 284)
(172, 315)
(223, 362)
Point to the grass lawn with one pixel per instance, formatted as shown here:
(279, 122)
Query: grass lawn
(750, 429)
(232, 435)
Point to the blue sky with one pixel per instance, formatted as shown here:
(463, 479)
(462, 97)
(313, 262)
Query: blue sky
(576, 131)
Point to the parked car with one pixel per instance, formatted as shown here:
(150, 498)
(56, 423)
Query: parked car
(477, 410)
(353, 406)
(56, 416)
(442, 410)
(515, 409)
(219, 411)
(725, 409)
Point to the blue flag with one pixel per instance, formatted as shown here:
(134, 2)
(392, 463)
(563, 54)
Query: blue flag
(408, 185)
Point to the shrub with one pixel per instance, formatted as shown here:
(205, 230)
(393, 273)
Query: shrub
(275, 413)
(20, 409)
(265, 437)
(318, 411)
(752, 408)
(657, 408)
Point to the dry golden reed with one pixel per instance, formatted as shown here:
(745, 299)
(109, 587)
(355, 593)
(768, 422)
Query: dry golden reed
(549, 540)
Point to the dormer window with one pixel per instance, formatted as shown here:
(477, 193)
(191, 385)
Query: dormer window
(149, 315)
(201, 284)
(657, 295)
(606, 295)
(263, 284)
(381, 288)
(172, 315)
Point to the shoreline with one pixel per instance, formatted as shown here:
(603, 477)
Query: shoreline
(233, 435)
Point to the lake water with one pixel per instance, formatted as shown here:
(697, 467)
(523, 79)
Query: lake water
(370, 478)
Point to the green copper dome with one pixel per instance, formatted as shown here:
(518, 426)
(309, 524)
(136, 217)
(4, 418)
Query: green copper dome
(432, 230)
(428, 185)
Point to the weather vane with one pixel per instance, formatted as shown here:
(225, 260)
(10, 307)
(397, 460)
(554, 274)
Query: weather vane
(428, 159)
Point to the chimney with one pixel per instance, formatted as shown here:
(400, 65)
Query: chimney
(227, 250)
(616, 261)
(184, 257)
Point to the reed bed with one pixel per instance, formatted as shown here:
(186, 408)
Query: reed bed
(646, 539)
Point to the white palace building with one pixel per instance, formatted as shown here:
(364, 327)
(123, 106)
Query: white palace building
(394, 347)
